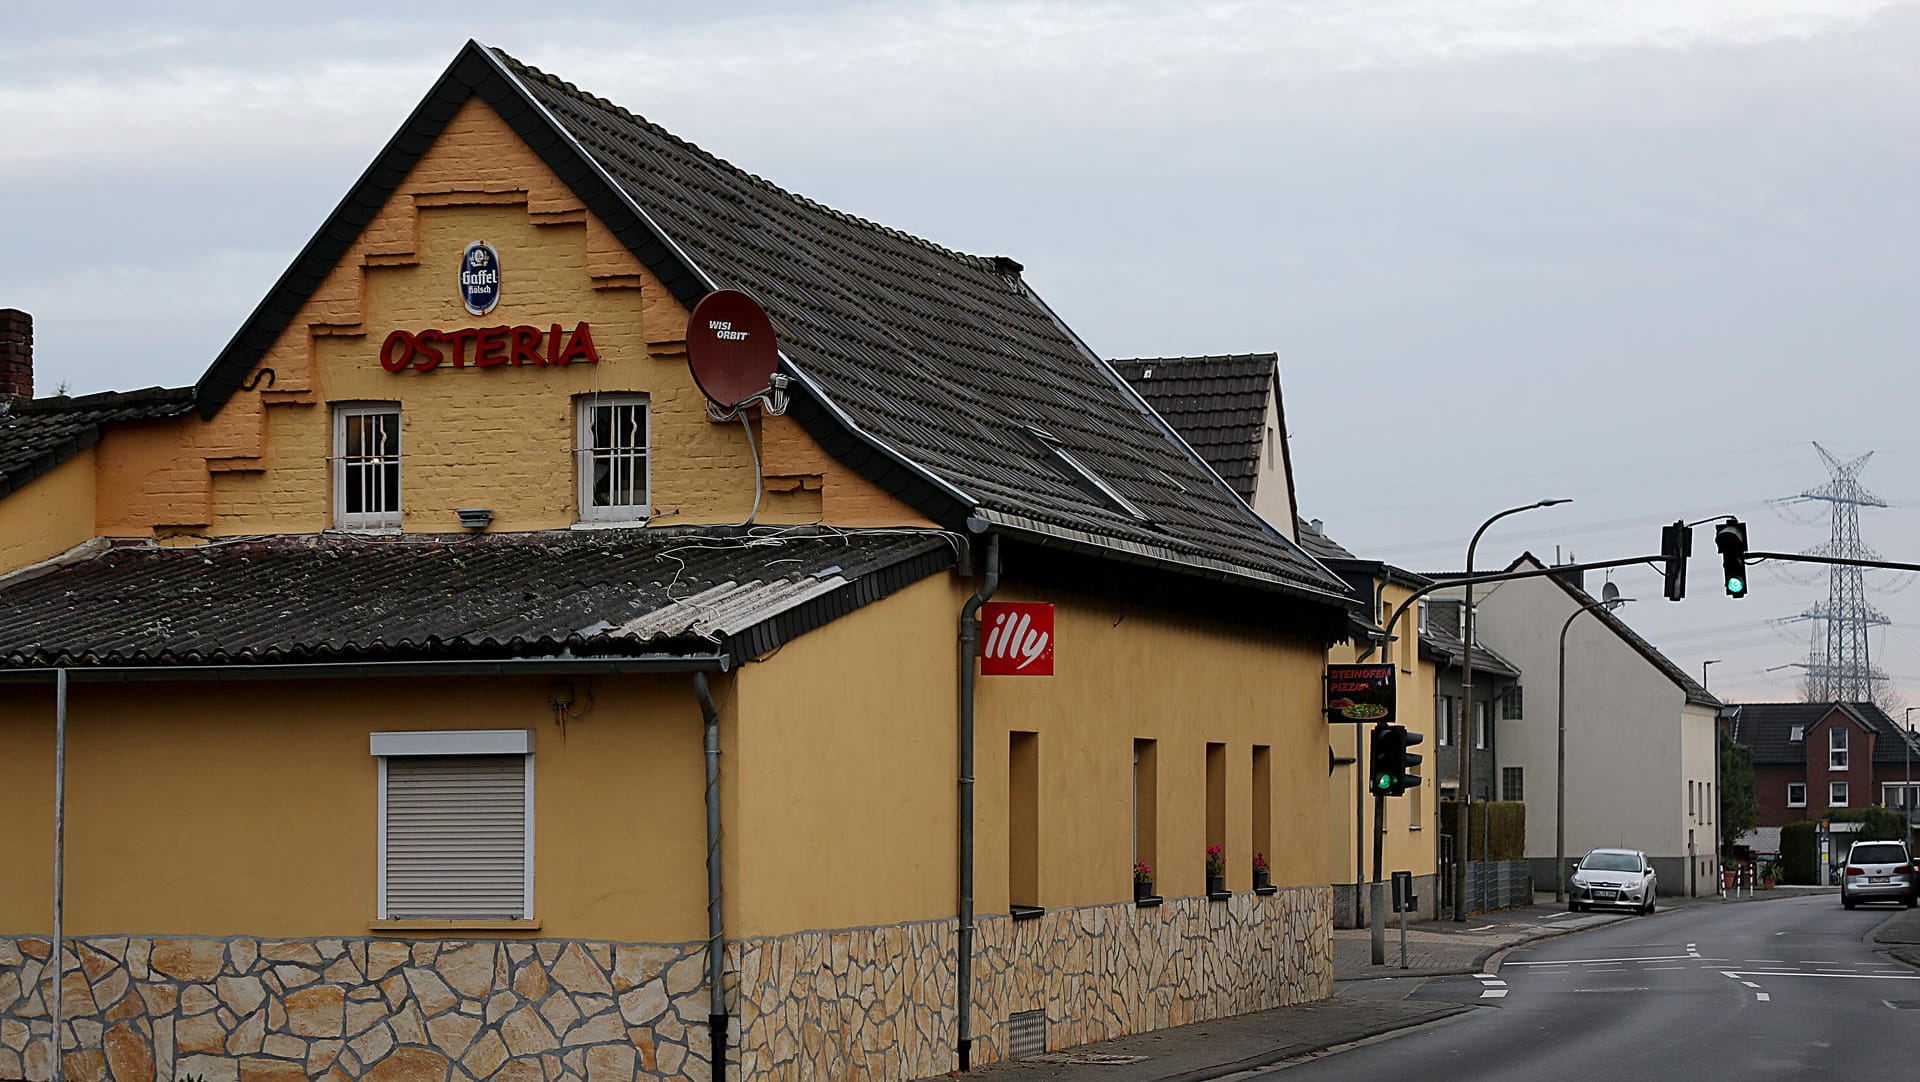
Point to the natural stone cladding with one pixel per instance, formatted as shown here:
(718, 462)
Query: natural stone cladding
(859, 1003)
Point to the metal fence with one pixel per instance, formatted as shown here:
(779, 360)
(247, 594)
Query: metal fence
(1498, 884)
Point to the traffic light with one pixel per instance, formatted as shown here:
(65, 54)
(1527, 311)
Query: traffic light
(1676, 544)
(1390, 764)
(1730, 537)
(1409, 760)
(1383, 771)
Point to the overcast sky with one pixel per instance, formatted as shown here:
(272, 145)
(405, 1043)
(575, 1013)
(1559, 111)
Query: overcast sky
(1635, 253)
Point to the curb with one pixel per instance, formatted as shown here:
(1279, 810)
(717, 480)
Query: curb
(1490, 961)
(1284, 1053)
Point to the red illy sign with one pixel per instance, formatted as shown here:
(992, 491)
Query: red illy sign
(1017, 639)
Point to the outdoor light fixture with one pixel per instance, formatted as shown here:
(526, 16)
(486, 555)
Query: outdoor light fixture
(475, 518)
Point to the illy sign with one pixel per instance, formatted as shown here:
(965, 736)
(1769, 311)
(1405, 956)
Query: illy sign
(1016, 639)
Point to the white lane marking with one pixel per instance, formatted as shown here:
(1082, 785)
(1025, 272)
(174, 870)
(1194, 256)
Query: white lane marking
(1588, 961)
(1493, 993)
(1492, 981)
(1763, 997)
(1799, 973)
(1750, 984)
(1662, 969)
(1768, 961)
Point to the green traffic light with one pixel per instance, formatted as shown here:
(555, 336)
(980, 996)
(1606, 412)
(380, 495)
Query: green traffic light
(1736, 586)
(1385, 782)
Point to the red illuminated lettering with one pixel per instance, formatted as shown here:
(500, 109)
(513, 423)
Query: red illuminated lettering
(579, 345)
(429, 342)
(396, 359)
(526, 346)
(489, 347)
(460, 340)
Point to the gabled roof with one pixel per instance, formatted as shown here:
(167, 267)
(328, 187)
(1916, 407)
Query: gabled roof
(39, 434)
(1442, 643)
(1766, 729)
(938, 374)
(1695, 693)
(291, 600)
(1219, 404)
(1315, 540)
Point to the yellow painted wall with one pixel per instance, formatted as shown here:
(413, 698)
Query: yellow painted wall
(252, 807)
(500, 437)
(48, 515)
(841, 776)
(1411, 843)
(1123, 673)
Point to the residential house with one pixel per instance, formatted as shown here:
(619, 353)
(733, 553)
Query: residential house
(1497, 697)
(1229, 409)
(443, 680)
(1812, 758)
(1640, 737)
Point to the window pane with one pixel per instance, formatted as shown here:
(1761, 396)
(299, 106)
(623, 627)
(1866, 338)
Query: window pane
(617, 453)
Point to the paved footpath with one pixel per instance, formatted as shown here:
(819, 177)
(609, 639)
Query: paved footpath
(1368, 1000)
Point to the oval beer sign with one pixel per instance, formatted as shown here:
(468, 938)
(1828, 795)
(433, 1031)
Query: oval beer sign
(480, 277)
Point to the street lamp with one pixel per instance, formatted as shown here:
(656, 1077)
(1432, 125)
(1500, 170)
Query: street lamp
(1466, 716)
(1906, 794)
(1703, 671)
(1610, 599)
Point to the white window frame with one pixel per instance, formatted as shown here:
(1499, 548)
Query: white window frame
(1898, 794)
(1444, 739)
(366, 520)
(1836, 794)
(583, 460)
(1802, 802)
(1837, 748)
(502, 742)
(1482, 723)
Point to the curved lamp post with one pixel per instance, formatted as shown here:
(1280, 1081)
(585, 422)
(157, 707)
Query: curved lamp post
(1466, 716)
(1610, 599)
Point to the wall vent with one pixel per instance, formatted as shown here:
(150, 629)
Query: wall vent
(1026, 1034)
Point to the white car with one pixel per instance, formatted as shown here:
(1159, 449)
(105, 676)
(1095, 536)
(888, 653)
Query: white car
(1613, 878)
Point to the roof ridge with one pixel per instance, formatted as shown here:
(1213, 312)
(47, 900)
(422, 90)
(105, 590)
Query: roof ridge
(55, 403)
(1197, 358)
(521, 67)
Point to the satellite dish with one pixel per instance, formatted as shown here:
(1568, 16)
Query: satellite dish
(730, 348)
(1610, 594)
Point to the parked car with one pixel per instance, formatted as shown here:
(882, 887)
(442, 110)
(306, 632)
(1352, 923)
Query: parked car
(1613, 879)
(1878, 872)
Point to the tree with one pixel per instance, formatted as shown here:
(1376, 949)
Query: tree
(1739, 797)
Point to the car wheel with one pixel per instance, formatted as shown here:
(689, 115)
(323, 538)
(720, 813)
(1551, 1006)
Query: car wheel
(1846, 902)
(1573, 906)
(1647, 909)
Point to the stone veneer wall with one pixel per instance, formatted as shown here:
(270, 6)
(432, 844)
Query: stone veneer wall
(869, 1002)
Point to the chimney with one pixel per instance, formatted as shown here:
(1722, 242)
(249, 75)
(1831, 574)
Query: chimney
(1576, 579)
(16, 354)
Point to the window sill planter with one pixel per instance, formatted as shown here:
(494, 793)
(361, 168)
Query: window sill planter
(1028, 912)
(1216, 886)
(1262, 880)
(1147, 901)
(1142, 890)
(1267, 889)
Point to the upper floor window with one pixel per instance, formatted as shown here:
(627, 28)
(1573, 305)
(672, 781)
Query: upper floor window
(1796, 794)
(366, 467)
(1836, 748)
(1480, 724)
(1510, 709)
(613, 458)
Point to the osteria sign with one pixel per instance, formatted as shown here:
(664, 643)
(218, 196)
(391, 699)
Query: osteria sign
(479, 285)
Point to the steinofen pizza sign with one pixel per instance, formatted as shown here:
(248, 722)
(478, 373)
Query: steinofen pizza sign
(1360, 693)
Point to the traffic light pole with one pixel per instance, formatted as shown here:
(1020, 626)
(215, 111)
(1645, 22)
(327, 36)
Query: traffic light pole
(1376, 921)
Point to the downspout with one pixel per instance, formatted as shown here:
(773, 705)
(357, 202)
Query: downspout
(969, 638)
(59, 859)
(716, 927)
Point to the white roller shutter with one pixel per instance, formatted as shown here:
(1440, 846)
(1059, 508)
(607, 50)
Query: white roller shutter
(456, 836)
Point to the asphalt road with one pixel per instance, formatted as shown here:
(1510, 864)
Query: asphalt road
(1767, 990)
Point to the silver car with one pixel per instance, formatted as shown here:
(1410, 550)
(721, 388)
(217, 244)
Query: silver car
(1613, 879)
(1877, 872)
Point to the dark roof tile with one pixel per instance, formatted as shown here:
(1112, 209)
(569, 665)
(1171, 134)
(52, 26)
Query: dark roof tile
(39, 434)
(1218, 404)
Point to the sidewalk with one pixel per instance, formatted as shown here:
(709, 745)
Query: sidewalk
(1368, 1001)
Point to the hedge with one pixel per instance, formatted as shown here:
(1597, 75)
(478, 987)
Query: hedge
(1505, 832)
(1799, 855)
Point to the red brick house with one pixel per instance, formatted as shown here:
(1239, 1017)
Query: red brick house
(1813, 758)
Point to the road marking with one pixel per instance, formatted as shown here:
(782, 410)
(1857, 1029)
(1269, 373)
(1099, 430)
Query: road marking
(1492, 981)
(1763, 997)
(1750, 984)
(1799, 973)
(1602, 961)
(1768, 961)
(1493, 993)
(1662, 969)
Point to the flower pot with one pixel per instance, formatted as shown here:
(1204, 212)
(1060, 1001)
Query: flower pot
(1142, 890)
(1262, 880)
(1216, 884)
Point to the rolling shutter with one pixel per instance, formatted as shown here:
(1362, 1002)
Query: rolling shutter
(456, 836)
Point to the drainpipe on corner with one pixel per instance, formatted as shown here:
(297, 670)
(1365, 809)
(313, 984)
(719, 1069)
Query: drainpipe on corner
(59, 860)
(716, 927)
(969, 639)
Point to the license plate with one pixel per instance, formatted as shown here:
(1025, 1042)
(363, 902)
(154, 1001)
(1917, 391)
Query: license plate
(1878, 879)
(1607, 895)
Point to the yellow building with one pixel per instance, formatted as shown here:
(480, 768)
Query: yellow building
(444, 688)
